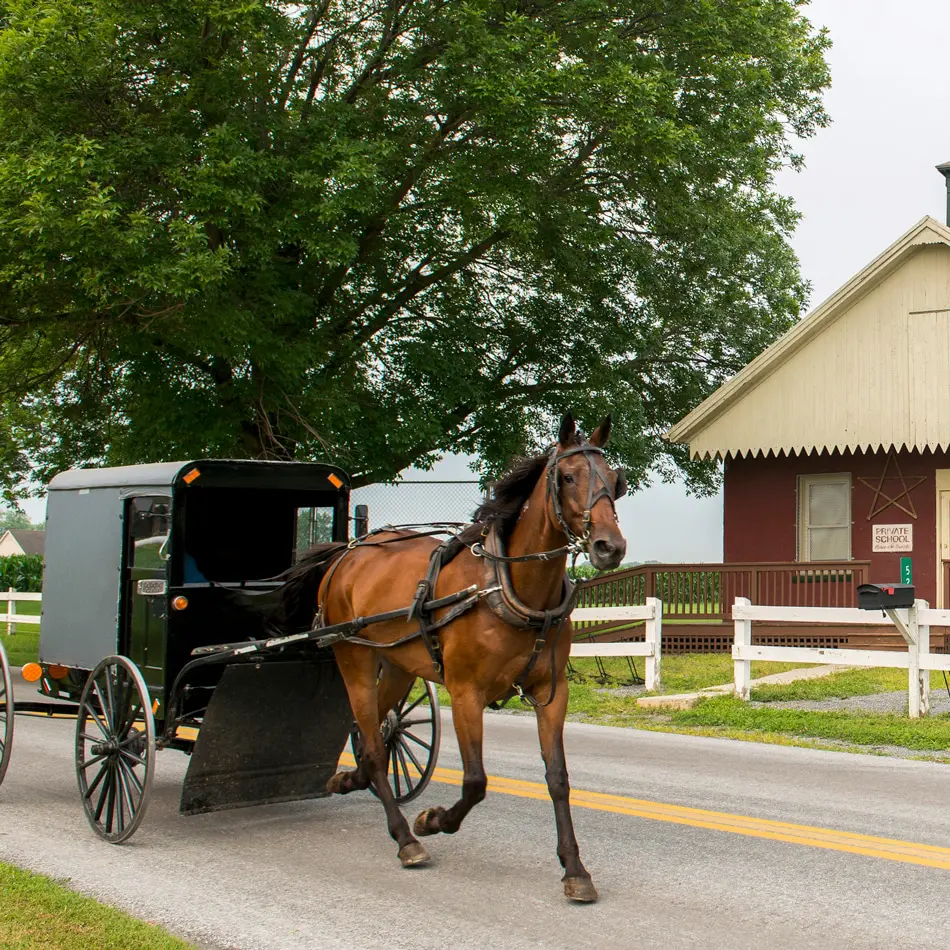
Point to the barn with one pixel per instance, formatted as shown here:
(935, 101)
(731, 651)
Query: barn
(835, 441)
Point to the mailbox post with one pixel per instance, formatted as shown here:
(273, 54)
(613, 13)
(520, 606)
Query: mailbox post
(897, 601)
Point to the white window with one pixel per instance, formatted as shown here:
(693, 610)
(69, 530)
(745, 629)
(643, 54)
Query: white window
(824, 517)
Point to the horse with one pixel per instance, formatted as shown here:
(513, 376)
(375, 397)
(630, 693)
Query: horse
(514, 638)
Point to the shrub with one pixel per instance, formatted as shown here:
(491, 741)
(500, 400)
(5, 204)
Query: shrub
(23, 572)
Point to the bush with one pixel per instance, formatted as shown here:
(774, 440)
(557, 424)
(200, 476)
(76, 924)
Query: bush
(23, 572)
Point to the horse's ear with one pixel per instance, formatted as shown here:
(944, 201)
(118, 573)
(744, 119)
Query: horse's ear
(601, 434)
(568, 427)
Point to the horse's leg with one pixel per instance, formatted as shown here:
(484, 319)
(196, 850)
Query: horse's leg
(577, 882)
(393, 684)
(358, 667)
(468, 708)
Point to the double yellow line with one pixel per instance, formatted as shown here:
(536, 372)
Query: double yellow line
(888, 849)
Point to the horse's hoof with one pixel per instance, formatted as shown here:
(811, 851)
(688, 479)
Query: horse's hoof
(413, 855)
(580, 889)
(335, 783)
(422, 826)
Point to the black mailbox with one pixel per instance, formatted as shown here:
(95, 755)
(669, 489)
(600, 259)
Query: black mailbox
(879, 596)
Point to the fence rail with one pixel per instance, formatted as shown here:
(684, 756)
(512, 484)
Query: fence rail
(11, 617)
(650, 647)
(913, 624)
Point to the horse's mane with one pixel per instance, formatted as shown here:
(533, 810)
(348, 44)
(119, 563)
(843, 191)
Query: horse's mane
(510, 493)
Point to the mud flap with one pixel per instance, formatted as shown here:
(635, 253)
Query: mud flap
(273, 732)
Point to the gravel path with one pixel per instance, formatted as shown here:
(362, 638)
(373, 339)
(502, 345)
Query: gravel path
(895, 702)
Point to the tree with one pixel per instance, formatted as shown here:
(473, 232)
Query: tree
(11, 518)
(371, 231)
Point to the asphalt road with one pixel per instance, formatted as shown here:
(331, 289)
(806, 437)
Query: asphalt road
(324, 874)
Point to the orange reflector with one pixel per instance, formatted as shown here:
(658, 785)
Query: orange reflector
(31, 672)
(155, 707)
(180, 602)
(334, 481)
(191, 476)
(58, 672)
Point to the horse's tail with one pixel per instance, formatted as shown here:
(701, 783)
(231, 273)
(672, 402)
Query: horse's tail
(298, 595)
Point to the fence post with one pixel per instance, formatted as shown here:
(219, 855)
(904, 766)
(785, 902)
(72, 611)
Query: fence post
(918, 680)
(743, 637)
(11, 610)
(654, 635)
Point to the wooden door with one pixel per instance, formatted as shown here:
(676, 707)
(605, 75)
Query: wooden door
(943, 546)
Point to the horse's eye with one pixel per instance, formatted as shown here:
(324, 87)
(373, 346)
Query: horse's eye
(569, 479)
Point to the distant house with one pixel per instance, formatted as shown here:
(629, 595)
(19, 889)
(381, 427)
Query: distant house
(21, 541)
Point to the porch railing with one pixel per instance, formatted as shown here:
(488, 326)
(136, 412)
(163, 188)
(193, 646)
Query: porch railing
(706, 592)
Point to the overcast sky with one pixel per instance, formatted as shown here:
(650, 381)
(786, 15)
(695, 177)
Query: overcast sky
(868, 178)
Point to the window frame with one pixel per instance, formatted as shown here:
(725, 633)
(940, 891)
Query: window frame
(802, 526)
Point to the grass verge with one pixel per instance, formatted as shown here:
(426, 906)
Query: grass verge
(23, 645)
(36, 913)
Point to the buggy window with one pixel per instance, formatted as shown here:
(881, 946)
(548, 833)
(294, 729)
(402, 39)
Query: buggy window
(314, 526)
(232, 535)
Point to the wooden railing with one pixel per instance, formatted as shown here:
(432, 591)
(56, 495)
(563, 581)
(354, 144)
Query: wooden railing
(706, 592)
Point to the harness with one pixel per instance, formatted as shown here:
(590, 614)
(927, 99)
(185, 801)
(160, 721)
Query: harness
(497, 588)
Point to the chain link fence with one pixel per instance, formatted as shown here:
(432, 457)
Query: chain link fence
(417, 501)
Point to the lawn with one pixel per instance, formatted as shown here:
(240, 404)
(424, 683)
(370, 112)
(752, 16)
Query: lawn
(37, 913)
(23, 645)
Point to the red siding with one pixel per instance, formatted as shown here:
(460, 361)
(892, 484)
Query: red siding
(760, 509)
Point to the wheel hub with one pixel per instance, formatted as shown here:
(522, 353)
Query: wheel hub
(389, 726)
(110, 747)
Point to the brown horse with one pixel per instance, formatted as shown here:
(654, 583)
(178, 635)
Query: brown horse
(511, 638)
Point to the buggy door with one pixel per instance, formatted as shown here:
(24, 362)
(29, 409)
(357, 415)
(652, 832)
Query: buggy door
(145, 588)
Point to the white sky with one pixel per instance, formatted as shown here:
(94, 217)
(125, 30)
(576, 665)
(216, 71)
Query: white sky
(868, 178)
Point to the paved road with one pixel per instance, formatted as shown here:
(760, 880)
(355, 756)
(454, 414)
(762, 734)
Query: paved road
(324, 874)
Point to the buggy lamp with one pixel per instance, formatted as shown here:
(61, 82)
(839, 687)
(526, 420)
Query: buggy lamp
(180, 602)
(31, 672)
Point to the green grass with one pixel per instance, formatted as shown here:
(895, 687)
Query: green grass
(36, 913)
(680, 673)
(931, 733)
(23, 645)
(858, 682)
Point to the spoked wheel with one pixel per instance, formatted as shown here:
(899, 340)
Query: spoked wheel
(411, 731)
(115, 748)
(6, 713)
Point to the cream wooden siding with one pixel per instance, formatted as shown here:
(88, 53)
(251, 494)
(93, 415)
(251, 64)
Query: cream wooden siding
(877, 374)
(8, 545)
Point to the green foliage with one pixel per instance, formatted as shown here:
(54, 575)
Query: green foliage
(11, 518)
(23, 572)
(374, 232)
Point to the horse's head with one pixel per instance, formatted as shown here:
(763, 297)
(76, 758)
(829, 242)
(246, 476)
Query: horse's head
(582, 490)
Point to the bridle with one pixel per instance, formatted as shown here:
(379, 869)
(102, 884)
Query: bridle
(597, 487)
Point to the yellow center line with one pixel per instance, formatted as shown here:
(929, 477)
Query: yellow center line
(888, 849)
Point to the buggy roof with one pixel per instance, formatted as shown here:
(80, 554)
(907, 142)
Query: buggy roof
(166, 474)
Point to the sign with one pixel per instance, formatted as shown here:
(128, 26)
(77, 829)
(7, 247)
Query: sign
(892, 537)
(907, 570)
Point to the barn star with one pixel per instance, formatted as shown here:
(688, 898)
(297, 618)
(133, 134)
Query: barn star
(882, 500)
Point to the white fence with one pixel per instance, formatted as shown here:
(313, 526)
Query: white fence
(912, 623)
(11, 617)
(651, 648)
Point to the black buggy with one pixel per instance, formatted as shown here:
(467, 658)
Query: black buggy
(160, 628)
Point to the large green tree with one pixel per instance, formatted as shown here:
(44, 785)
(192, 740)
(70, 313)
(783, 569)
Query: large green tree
(371, 231)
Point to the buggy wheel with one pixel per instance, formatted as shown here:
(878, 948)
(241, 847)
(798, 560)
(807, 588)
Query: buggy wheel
(411, 732)
(115, 748)
(6, 713)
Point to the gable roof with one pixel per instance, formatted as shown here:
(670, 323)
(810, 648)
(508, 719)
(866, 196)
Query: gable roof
(31, 542)
(734, 437)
